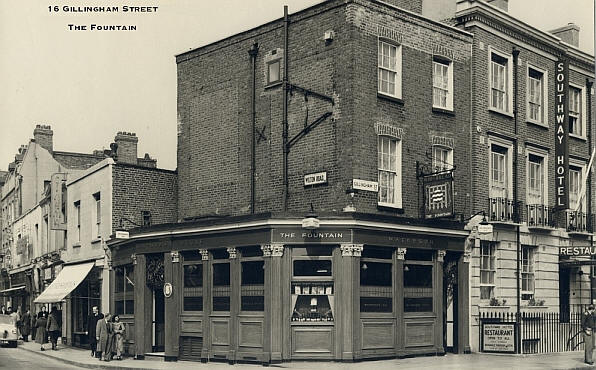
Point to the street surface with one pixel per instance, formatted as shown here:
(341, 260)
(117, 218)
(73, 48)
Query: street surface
(13, 358)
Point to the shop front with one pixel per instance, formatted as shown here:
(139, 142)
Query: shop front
(270, 291)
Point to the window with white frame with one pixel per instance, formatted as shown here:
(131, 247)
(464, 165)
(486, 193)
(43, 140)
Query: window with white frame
(442, 84)
(487, 269)
(97, 211)
(442, 158)
(500, 82)
(389, 166)
(536, 92)
(77, 206)
(575, 184)
(536, 179)
(575, 111)
(389, 66)
(527, 272)
(274, 71)
(500, 171)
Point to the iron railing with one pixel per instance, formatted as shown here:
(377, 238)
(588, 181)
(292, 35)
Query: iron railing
(503, 210)
(539, 215)
(578, 222)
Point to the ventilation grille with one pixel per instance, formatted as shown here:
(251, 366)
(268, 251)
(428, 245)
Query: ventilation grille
(190, 348)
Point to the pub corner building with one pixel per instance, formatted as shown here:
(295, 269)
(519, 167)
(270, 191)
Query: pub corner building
(312, 217)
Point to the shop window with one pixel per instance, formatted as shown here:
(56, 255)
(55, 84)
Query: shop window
(83, 298)
(312, 287)
(221, 286)
(527, 272)
(252, 286)
(193, 287)
(487, 270)
(124, 290)
(418, 288)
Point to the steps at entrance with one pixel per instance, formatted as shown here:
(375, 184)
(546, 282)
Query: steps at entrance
(155, 356)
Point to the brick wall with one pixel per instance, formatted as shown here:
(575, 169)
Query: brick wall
(137, 189)
(214, 144)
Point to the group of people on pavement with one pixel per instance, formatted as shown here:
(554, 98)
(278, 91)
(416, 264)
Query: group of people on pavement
(106, 335)
(44, 327)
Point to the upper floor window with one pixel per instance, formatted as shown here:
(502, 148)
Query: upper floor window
(77, 206)
(500, 82)
(389, 166)
(97, 221)
(442, 158)
(487, 269)
(575, 112)
(575, 184)
(537, 90)
(389, 62)
(536, 179)
(500, 171)
(146, 218)
(443, 84)
(274, 71)
(527, 272)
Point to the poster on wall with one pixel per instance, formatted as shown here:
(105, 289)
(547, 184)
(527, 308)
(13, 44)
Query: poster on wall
(498, 338)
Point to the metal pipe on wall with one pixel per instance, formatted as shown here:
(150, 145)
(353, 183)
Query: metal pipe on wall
(516, 211)
(285, 112)
(253, 52)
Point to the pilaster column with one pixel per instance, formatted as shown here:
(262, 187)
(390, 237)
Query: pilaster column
(143, 307)
(207, 288)
(463, 302)
(274, 305)
(172, 305)
(234, 302)
(438, 299)
(398, 299)
(349, 315)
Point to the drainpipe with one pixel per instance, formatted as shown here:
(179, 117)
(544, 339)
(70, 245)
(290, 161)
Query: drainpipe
(589, 198)
(515, 198)
(285, 112)
(253, 52)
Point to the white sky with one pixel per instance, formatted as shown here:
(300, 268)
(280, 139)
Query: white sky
(89, 85)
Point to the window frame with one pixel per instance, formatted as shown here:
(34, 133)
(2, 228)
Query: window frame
(125, 294)
(491, 270)
(97, 216)
(508, 76)
(543, 121)
(391, 287)
(184, 291)
(544, 164)
(447, 164)
(582, 111)
(397, 174)
(432, 265)
(508, 162)
(581, 166)
(398, 68)
(449, 89)
(528, 269)
(259, 258)
(77, 206)
(269, 64)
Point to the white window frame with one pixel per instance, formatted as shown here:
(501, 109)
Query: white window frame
(508, 88)
(449, 86)
(96, 215)
(528, 268)
(442, 164)
(397, 188)
(508, 161)
(544, 155)
(397, 70)
(77, 206)
(581, 165)
(582, 112)
(543, 121)
(492, 268)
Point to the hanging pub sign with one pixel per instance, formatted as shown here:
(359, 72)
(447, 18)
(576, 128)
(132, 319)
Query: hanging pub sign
(561, 134)
(438, 195)
(57, 219)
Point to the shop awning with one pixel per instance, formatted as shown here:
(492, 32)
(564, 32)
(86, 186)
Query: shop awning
(12, 291)
(67, 280)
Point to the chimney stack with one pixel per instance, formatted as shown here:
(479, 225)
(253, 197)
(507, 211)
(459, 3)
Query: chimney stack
(501, 4)
(568, 34)
(127, 147)
(44, 136)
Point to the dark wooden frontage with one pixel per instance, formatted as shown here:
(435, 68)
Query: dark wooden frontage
(265, 293)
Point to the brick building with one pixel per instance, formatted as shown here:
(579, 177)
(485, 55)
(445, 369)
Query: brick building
(315, 154)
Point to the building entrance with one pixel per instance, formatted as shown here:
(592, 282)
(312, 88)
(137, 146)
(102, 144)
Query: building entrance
(159, 332)
(450, 299)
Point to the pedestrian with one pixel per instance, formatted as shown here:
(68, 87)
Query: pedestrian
(53, 327)
(119, 333)
(18, 321)
(33, 326)
(41, 335)
(26, 325)
(588, 334)
(2, 310)
(91, 326)
(103, 334)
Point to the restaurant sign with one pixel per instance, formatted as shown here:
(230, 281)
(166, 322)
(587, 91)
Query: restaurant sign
(318, 236)
(577, 251)
(499, 337)
(561, 134)
(438, 195)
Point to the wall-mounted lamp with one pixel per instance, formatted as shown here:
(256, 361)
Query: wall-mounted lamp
(350, 207)
(310, 221)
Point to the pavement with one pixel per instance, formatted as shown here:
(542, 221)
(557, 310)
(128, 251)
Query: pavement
(563, 360)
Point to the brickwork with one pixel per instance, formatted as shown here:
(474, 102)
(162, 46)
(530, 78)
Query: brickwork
(214, 144)
(43, 135)
(137, 189)
(127, 147)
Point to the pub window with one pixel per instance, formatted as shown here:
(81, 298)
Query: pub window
(418, 281)
(312, 285)
(193, 285)
(308, 268)
(376, 280)
(221, 281)
(252, 280)
(83, 298)
(124, 290)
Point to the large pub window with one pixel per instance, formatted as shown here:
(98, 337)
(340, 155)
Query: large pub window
(221, 280)
(418, 281)
(124, 290)
(252, 279)
(193, 282)
(376, 280)
(312, 284)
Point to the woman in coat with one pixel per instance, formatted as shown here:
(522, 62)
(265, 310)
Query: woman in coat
(41, 335)
(26, 325)
(53, 327)
(119, 332)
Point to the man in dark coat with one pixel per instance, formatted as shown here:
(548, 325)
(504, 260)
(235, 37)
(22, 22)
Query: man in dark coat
(588, 324)
(91, 325)
(104, 334)
(26, 325)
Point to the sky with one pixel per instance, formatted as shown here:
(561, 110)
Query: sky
(88, 85)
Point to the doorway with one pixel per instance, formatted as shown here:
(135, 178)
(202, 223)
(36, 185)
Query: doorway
(450, 307)
(158, 327)
(564, 291)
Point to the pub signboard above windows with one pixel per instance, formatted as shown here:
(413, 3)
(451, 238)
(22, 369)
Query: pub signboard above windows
(438, 195)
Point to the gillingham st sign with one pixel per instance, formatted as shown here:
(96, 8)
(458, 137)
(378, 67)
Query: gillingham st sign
(561, 134)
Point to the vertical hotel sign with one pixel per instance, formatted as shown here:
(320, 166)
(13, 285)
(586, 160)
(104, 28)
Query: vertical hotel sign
(57, 221)
(561, 134)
